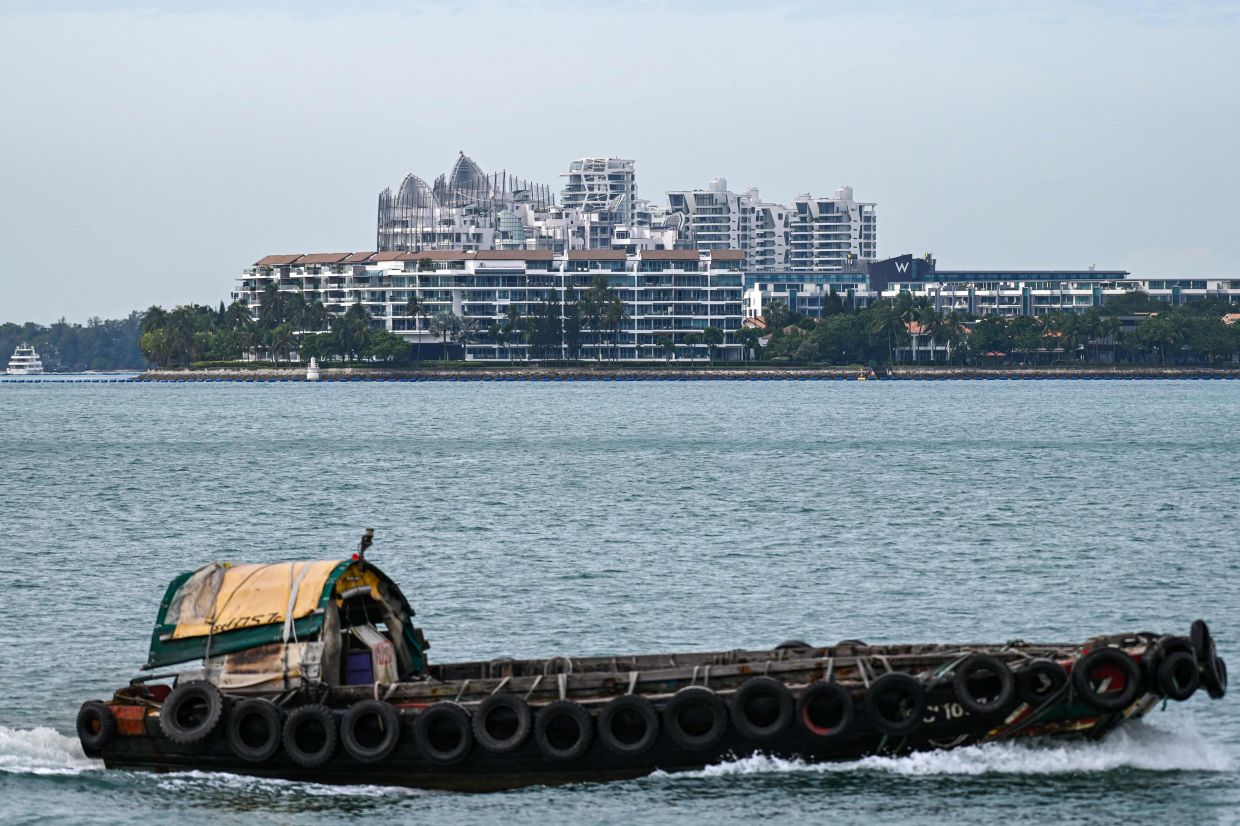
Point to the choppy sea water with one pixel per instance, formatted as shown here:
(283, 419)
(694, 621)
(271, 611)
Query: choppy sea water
(534, 519)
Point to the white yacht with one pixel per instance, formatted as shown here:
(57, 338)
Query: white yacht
(25, 362)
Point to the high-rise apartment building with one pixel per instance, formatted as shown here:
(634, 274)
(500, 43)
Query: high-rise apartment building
(601, 185)
(468, 209)
(817, 234)
(825, 234)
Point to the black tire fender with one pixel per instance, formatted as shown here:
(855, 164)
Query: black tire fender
(502, 723)
(311, 734)
(896, 692)
(96, 724)
(1111, 700)
(443, 733)
(762, 708)
(826, 710)
(696, 718)
(628, 725)
(1178, 676)
(1041, 680)
(1214, 678)
(1169, 645)
(792, 645)
(968, 672)
(1202, 640)
(1151, 659)
(370, 730)
(254, 730)
(563, 730)
(191, 712)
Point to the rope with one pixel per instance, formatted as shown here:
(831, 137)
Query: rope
(632, 681)
(533, 686)
(562, 679)
(501, 685)
(941, 673)
(461, 692)
(865, 679)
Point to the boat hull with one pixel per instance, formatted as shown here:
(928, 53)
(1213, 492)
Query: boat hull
(944, 727)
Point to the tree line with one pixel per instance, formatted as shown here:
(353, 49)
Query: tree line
(881, 333)
(286, 324)
(98, 344)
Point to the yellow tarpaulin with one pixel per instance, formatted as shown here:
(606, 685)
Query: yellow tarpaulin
(222, 597)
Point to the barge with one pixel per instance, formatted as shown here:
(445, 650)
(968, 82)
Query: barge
(315, 671)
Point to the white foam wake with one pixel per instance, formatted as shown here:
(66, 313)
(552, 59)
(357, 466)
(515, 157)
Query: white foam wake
(42, 751)
(275, 787)
(1134, 747)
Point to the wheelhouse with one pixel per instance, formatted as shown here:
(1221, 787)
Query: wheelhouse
(285, 625)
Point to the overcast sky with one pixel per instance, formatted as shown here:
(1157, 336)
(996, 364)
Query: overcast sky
(150, 150)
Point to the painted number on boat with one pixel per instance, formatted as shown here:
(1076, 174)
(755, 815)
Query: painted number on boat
(948, 711)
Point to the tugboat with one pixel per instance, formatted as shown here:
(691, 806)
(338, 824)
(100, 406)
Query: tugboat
(315, 671)
(25, 362)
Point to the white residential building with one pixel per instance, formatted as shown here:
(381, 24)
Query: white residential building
(601, 185)
(826, 234)
(666, 294)
(811, 234)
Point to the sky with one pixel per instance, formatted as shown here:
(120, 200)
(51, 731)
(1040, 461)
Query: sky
(151, 150)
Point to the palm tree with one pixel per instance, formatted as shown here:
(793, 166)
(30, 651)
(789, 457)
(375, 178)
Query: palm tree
(280, 340)
(692, 340)
(444, 324)
(316, 316)
(464, 333)
(182, 324)
(614, 318)
(512, 326)
(414, 308)
(296, 312)
(238, 315)
(594, 302)
(932, 324)
(952, 333)
(270, 307)
(1112, 329)
(886, 320)
(154, 318)
(713, 337)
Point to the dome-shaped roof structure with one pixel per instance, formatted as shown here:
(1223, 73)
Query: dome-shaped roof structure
(415, 193)
(467, 176)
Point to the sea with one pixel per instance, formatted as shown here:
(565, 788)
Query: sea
(548, 518)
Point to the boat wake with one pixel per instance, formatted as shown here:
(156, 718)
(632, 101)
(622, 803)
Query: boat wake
(42, 751)
(1139, 746)
(275, 788)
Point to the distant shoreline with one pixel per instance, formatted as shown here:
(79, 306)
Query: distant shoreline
(702, 373)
